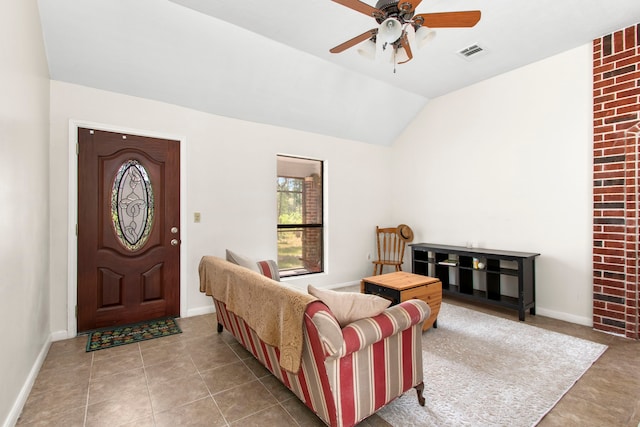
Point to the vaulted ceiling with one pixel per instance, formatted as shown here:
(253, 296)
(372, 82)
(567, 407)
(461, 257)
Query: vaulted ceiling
(269, 61)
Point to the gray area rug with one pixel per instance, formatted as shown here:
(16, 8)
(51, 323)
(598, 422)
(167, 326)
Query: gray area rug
(481, 370)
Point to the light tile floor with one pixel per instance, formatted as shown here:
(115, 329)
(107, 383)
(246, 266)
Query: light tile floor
(201, 378)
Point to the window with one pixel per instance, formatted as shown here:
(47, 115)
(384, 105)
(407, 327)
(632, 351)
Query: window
(300, 216)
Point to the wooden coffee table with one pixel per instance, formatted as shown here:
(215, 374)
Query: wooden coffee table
(401, 286)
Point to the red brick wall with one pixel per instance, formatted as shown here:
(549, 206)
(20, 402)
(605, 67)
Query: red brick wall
(312, 212)
(616, 136)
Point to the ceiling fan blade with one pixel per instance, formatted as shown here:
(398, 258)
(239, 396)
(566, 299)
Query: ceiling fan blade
(354, 41)
(408, 5)
(404, 41)
(448, 19)
(361, 7)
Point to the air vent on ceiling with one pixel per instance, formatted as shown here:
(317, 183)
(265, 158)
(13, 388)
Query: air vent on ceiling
(472, 52)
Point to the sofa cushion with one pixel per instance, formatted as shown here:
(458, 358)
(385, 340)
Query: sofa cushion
(348, 307)
(268, 268)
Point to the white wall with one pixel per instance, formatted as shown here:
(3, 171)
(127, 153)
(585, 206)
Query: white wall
(231, 180)
(24, 222)
(506, 164)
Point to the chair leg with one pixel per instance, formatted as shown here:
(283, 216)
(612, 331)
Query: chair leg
(219, 327)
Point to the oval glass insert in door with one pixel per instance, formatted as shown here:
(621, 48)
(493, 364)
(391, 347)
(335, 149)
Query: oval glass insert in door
(132, 205)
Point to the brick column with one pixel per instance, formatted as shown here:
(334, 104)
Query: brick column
(312, 213)
(616, 133)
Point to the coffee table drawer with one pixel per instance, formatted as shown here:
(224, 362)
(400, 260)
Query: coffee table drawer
(421, 292)
(390, 294)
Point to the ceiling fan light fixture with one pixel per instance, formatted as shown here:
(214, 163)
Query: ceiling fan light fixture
(423, 36)
(368, 49)
(390, 30)
(401, 55)
(384, 51)
(400, 31)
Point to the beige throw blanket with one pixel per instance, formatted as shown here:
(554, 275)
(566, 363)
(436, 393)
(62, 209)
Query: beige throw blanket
(274, 311)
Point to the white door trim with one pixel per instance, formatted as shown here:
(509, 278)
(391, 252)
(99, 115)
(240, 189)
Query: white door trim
(72, 245)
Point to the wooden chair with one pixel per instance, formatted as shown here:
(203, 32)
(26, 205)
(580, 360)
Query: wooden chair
(390, 249)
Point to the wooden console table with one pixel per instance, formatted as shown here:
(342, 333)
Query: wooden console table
(458, 269)
(401, 286)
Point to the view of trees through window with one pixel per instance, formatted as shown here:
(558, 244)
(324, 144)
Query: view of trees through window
(290, 200)
(299, 192)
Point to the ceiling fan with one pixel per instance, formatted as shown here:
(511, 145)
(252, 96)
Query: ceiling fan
(400, 29)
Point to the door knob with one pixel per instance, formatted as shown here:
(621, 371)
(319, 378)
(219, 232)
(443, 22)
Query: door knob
(174, 242)
(174, 230)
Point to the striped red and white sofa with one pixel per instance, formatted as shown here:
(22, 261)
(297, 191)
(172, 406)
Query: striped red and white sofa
(346, 374)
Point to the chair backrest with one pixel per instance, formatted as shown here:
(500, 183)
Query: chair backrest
(390, 244)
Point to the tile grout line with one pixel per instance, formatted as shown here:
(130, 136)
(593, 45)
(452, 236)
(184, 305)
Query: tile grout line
(259, 379)
(208, 389)
(279, 403)
(146, 380)
(289, 413)
(86, 406)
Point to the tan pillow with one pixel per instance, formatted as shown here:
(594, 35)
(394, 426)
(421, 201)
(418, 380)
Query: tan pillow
(348, 307)
(242, 261)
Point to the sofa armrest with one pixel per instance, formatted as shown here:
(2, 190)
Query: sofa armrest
(328, 330)
(393, 320)
(337, 342)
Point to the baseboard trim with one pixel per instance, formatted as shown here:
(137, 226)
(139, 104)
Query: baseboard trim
(585, 321)
(342, 285)
(60, 335)
(16, 409)
(201, 310)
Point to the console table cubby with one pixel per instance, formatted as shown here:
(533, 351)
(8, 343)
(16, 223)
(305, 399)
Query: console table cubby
(456, 269)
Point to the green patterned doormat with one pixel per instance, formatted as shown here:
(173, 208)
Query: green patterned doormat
(127, 334)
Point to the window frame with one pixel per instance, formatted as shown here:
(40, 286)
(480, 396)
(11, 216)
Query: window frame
(303, 271)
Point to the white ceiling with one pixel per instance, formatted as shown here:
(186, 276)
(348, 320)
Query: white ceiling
(269, 61)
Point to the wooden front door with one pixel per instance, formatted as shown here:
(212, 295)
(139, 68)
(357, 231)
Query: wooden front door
(128, 228)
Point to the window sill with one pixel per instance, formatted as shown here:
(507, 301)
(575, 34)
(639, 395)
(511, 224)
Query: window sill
(294, 273)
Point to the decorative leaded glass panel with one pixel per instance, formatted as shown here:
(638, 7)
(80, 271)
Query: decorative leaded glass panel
(132, 205)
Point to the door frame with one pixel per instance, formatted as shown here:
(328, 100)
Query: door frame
(72, 245)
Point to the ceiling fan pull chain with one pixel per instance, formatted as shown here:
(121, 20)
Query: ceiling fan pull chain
(395, 52)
